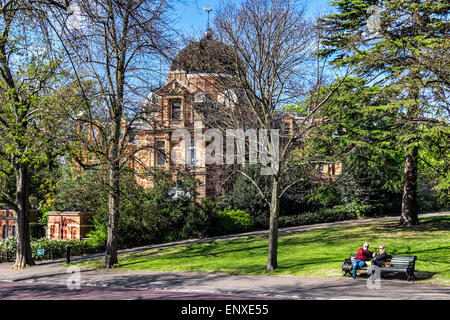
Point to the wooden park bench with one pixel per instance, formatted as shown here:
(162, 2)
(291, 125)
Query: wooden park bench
(405, 264)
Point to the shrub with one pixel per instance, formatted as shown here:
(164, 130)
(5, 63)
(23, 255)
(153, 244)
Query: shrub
(245, 195)
(8, 249)
(53, 248)
(98, 235)
(37, 230)
(233, 221)
(151, 216)
(325, 215)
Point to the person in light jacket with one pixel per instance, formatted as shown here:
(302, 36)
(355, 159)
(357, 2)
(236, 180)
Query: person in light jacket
(381, 257)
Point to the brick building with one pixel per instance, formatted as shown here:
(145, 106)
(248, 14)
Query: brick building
(324, 170)
(68, 224)
(197, 76)
(8, 222)
(201, 74)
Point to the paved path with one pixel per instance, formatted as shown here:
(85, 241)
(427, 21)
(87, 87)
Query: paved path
(281, 287)
(216, 284)
(45, 291)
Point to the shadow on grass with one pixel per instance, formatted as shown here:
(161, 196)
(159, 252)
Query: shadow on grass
(424, 275)
(430, 224)
(326, 236)
(197, 252)
(255, 245)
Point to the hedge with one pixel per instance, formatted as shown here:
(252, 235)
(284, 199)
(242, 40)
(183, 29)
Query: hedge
(324, 215)
(37, 230)
(53, 248)
(234, 221)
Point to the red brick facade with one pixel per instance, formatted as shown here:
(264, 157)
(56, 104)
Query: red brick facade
(8, 222)
(68, 225)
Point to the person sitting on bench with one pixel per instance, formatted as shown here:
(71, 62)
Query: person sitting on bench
(361, 257)
(380, 259)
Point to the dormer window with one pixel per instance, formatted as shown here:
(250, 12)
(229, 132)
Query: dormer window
(176, 110)
(287, 128)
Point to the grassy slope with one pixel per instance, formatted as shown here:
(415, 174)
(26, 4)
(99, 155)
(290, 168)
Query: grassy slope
(317, 252)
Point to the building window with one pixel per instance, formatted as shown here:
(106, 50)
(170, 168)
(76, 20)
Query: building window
(132, 137)
(228, 98)
(192, 154)
(160, 153)
(176, 110)
(332, 169)
(94, 134)
(13, 231)
(4, 232)
(287, 128)
(322, 168)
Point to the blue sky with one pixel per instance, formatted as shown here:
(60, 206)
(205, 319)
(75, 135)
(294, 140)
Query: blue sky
(192, 18)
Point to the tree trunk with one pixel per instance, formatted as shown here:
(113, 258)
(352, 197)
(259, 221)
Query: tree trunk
(272, 262)
(23, 252)
(409, 215)
(114, 197)
(113, 206)
(410, 208)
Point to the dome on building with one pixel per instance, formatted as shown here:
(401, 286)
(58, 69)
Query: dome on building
(206, 56)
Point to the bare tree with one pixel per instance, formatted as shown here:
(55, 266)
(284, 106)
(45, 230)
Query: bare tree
(275, 45)
(112, 47)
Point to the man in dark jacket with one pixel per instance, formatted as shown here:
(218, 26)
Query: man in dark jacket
(382, 257)
(361, 257)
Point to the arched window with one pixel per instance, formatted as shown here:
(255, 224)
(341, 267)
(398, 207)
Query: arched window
(13, 230)
(4, 231)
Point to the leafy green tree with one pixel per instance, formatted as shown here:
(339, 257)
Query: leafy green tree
(246, 196)
(149, 215)
(403, 47)
(28, 76)
(359, 130)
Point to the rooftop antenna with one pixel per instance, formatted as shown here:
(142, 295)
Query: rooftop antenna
(208, 33)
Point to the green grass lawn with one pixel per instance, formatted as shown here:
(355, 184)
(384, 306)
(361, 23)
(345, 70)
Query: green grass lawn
(317, 252)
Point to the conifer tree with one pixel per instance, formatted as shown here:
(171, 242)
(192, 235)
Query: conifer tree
(402, 46)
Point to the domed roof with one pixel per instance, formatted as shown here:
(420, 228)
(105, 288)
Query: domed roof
(206, 56)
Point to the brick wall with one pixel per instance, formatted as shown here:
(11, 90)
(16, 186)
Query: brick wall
(68, 224)
(8, 222)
